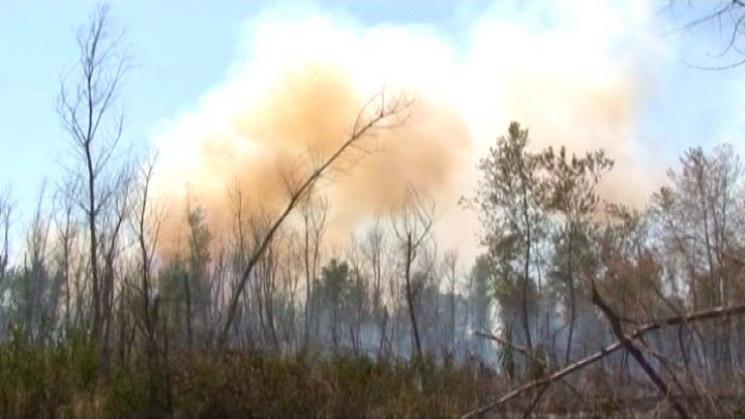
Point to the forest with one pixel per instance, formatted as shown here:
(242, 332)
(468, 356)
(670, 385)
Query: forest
(575, 305)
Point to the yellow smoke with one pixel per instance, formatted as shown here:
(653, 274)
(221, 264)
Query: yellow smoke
(295, 97)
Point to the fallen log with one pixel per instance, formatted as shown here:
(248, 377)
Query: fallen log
(627, 343)
(697, 316)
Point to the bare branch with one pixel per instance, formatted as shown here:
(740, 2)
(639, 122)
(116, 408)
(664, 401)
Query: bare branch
(365, 124)
(702, 315)
(634, 351)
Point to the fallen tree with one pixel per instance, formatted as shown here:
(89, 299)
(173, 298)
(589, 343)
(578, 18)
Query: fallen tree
(697, 316)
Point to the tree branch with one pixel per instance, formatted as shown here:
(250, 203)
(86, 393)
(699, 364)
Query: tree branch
(361, 128)
(578, 365)
(615, 323)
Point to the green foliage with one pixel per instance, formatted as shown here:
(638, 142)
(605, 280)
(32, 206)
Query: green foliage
(537, 367)
(127, 393)
(510, 196)
(266, 384)
(507, 362)
(43, 381)
(334, 282)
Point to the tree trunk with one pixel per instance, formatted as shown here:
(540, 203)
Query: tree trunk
(410, 295)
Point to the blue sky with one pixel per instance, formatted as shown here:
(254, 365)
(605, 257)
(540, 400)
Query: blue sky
(183, 49)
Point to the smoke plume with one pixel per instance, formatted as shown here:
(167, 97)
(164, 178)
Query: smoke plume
(577, 79)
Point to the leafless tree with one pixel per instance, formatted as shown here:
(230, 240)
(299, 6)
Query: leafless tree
(636, 334)
(379, 113)
(412, 225)
(375, 248)
(727, 17)
(314, 213)
(450, 268)
(87, 108)
(67, 241)
(147, 223)
(36, 275)
(6, 212)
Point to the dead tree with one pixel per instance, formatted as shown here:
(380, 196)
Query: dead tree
(147, 222)
(6, 211)
(67, 239)
(87, 110)
(376, 114)
(615, 323)
(375, 246)
(314, 213)
(714, 313)
(728, 17)
(111, 235)
(412, 226)
(35, 278)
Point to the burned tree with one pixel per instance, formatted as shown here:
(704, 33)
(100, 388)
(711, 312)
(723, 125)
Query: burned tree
(379, 113)
(413, 224)
(87, 108)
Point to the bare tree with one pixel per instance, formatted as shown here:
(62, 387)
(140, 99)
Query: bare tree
(88, 112)
(412, 226)
(377, 114)
(111, 239)
(196, 278)
(36, 275)
(450, 265)
(374, 248)
(699, 221)
(239, 207)
(314, 213)
(6, 211)
(147, 223)
(728, 18)
(67, 239)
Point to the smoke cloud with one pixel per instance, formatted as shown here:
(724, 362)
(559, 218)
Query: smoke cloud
(577, 79)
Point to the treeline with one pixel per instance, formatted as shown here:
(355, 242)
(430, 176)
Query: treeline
(96, 318)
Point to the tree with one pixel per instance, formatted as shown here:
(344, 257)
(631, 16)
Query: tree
(480, 285)
(510, 196)
(6, 211)
(146, 223)
(572, 195)
(314, 213)
(68, 232)
(374, 247)
(699, 221)
(729, 18)
(196, 279)
(412, 225)
(377, 114)
(87, 110)
(34, 282)
(450, 267)
(332, 291)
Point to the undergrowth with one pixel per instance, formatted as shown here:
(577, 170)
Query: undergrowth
(66, 380)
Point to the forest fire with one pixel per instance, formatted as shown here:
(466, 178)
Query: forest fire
(450, 216)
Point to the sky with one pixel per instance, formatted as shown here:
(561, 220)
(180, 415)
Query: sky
(588, 73)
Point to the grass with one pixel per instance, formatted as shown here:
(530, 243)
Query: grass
(65, 380)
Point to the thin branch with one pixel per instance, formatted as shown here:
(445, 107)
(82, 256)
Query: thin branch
(634, 351)
(360, 129)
